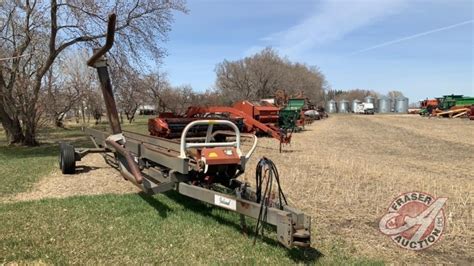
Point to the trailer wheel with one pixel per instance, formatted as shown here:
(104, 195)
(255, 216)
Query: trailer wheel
(67, 161)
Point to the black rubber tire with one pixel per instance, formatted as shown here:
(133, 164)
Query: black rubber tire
(67, 161)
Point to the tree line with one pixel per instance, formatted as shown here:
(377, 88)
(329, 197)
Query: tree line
(44, 78)
(266, 73)
(34, 34)
(359, 94)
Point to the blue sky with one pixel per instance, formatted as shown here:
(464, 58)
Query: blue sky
(423, 48)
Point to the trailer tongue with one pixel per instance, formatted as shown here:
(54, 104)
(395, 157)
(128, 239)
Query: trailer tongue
(202, 168)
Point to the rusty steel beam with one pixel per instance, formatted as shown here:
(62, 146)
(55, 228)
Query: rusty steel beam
(108, 42)
(110, 105)
(99, 62)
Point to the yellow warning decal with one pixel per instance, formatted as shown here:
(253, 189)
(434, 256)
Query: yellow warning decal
(213, 155)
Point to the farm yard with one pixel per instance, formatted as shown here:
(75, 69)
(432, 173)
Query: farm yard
(236, 132)
(343, 171)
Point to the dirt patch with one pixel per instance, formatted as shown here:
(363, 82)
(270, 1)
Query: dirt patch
(93, 177)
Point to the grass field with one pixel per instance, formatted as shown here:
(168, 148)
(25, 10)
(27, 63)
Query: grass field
(343, 171)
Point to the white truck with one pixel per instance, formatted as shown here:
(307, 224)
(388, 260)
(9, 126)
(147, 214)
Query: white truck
(365, 108)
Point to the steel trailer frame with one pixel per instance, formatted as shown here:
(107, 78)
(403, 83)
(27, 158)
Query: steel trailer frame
(157, 165)
(293, 226)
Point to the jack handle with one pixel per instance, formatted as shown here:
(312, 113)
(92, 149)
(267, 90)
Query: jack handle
(108, 42)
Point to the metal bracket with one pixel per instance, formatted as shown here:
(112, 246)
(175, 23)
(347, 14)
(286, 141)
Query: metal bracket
(284, 220)
(116, 137)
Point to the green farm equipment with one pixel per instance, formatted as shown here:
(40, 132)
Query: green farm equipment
(465, 101)
(290, 116)
(448, 101)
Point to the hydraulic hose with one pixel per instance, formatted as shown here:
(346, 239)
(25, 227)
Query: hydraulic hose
(266, 170)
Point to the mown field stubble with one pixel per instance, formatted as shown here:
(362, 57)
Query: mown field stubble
(343, 171)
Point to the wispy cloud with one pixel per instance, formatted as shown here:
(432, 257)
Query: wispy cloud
(414, 36)
(330, 21)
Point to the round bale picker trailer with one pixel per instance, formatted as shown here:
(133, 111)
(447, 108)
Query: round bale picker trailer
(201, 168)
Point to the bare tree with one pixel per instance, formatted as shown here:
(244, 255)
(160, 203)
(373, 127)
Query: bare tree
(350, 95)
(178, 99)
(95, 105)
(36, 33)
(266, 73)
(209, 98)
(66, 84)
(158, 86)
(167, 98)
(82, 78)
(58, 99)
(233, 80)
(129, 87)
(394, 94)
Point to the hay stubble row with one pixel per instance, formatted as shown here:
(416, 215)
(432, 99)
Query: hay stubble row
(344, 171)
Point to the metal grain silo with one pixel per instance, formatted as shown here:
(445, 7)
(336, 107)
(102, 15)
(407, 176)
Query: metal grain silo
(354, 105)
(384, 105)
(401, 105)
(331, 106)
(343, 106)
(369, 99)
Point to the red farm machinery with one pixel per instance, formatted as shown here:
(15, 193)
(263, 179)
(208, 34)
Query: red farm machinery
(202, 167)
(259, 118)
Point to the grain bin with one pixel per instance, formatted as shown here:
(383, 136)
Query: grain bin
(401, 105)
(331, 106)
(343, 106)
(355, 102)
(384, 105)
(369, 99)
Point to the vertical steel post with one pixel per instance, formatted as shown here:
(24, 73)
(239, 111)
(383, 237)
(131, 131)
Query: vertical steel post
(99, 61)
(110, 105)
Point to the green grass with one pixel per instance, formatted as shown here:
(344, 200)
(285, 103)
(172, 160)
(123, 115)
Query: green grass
(126, 229)
(140, 124)
(21, 167)
(140, 229)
